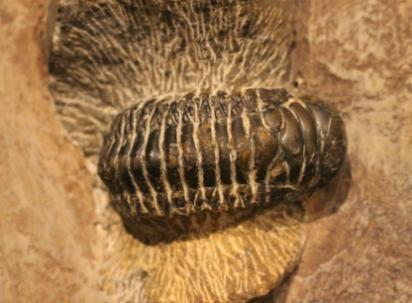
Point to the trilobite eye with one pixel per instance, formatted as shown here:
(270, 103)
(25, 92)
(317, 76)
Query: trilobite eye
(291, 133)
(273, 118)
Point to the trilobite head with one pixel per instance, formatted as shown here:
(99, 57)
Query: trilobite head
(208, 155)
(331, 131)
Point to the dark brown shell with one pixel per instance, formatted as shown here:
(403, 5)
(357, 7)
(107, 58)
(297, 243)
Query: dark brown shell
(219, 153)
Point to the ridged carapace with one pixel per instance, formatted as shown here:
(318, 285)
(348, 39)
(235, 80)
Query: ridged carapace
(219, 152)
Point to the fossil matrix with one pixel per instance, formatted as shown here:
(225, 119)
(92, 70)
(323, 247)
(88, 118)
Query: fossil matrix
(207, 161)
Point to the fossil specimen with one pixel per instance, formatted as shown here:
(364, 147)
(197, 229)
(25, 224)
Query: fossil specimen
(219, 153)
(206, 168)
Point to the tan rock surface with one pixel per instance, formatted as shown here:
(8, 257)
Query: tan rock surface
(46, 219)
(358, 55)
(355, 53)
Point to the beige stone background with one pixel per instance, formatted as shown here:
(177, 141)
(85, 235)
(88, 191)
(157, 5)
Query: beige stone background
(45, 193)
(358, 54)
(355, 53)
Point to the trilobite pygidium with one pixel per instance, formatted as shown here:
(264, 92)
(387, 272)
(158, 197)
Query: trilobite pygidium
(219, 153)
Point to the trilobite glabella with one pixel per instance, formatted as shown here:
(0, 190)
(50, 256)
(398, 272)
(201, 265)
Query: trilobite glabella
(222, 152)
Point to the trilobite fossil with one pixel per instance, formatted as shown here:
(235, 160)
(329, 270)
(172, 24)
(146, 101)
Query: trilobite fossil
(221, 152)
(209, 184)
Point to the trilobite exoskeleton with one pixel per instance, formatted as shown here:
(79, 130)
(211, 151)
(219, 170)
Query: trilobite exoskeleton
(219, 153)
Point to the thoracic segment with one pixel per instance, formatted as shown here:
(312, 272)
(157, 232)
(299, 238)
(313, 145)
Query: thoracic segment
(218, 153)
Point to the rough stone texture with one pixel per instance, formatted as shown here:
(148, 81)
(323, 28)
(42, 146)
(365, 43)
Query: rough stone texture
(109, 55)
(358, 54)
(45, 193)
(233, 265)
(355, 53)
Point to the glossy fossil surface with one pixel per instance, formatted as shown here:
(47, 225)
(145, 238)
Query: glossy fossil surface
(211, 154)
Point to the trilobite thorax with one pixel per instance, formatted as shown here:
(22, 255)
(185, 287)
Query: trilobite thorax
(219, 152)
